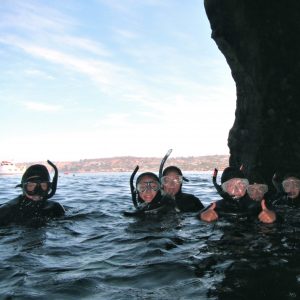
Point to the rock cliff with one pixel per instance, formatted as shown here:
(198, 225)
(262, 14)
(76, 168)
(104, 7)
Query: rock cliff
(261, 43)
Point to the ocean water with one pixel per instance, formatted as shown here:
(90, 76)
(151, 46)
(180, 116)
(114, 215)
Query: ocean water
(95, 252)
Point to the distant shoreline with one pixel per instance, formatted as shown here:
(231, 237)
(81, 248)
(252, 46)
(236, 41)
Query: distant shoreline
(128, 163)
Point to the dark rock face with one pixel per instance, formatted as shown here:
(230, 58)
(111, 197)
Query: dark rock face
(261, 43)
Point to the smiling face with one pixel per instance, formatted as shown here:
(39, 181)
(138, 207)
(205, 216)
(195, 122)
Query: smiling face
(148, 188)
(235, 187)
(171, 183)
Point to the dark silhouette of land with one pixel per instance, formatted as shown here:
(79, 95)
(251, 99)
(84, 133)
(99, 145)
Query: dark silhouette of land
(128, 163)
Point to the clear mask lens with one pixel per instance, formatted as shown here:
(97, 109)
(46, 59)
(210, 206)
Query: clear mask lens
(33, 187)
(147, 185)
(171, 180)
(289, 184)
(257, 188)
(235, 183)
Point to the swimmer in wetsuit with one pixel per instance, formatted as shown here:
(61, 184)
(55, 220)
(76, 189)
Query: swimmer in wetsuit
(34, 204)
(149, 198)
(288, 192)
(238, 202)
(171, 182)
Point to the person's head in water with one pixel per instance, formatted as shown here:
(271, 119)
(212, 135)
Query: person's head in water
(172, 180)
(257, 187)
(36, 182)
(234, 182)
(291, 185)
(147, 186)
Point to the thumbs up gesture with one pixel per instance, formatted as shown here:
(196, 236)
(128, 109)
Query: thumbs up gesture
(210, 214)
(266, 215)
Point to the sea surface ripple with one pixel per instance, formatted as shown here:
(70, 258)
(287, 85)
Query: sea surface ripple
(95, 252)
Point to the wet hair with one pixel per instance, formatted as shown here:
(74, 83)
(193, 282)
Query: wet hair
(231, 172)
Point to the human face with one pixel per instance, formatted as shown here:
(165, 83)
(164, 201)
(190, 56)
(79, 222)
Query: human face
(236, 187)
(172, 183)
(257, 191)
(36, 190)
(147, 188)
(291, 186)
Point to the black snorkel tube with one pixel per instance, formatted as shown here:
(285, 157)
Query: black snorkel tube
(132, 188)
(218, 187)
(161, 167)
(54, 180)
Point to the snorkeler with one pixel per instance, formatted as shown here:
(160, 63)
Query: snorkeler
(34, 203)
(288, 192)
(171, 182)
(236, 202)
(146, 195)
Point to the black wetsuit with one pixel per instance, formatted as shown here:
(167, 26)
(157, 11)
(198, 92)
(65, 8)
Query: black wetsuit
(242, 207)
(22, 210)
(282, 199)
(187, 202)
(160, 204)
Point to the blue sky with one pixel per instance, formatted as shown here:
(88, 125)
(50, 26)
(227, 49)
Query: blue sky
(102, 78)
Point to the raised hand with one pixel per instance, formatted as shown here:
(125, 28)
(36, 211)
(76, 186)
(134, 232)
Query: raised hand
(266, 215)
(210, 214)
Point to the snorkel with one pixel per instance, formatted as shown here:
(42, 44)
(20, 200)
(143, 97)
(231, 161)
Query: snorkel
(54, 180)
(132, 188)
(219, 188)
(36, 186)
(161, 167)
(216, 185)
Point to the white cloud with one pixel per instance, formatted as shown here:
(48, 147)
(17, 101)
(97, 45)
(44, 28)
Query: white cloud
(151, 91)
(37, 106)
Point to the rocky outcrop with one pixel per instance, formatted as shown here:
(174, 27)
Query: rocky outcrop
(261, 43)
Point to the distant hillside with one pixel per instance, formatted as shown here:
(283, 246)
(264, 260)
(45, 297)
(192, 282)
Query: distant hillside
(128, 163)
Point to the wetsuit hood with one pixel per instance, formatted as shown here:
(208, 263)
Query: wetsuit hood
(147, 174)
(40, 173)
(231, 172)
(150, 174)
(256, 177)
(291, 174)
(36, 172)
(174, 169)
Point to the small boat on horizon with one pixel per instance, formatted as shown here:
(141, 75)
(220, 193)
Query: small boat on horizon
(9, 168)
